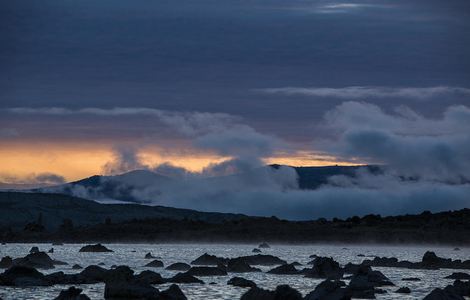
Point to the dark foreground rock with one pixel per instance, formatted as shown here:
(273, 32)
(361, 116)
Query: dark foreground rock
(37, 260)
(95, 248)
(149, 277)
(22, 276)
(241, 282)
(364, 282)
(329, 290)
(179, 267)
(172, 293)
(6, 262)
(443, 294)
(72, 293)
(283, 292)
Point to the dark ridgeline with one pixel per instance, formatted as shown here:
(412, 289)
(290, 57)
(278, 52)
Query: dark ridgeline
(53, 217)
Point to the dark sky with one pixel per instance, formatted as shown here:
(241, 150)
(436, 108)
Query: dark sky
(221, 56)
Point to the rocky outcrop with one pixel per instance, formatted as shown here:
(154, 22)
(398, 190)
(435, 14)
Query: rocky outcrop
(329, 290)
(37, 260)
(178, 267)
(149, 256)
(288, 269)
(237, 265)
(324, 267)
(447, 293)
(155, 264)
(256, 250)
(209, 260)
(72, 293)
(6, 262)
(459, 275)
(95, 248)
(149, 277)
(429, 261)
(172, 293)
(241, 282)
(22, 276)
(364, 282)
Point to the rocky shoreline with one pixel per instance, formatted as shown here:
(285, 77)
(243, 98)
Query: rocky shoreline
(358, 281)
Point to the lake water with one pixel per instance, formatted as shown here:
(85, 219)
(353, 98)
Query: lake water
(132, 255)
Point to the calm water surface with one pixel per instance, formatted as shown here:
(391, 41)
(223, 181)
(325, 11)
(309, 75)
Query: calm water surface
(132, 255)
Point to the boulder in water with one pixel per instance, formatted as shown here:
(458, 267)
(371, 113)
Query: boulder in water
(208, 260)
(241, 282)
(155, 264)
(184, 278)
(288, 269)
(95, 248)
(72, 293)
(179, 267)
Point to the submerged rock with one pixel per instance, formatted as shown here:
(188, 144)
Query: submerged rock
(458, 275)
(179, 267)
(262, 260)
(241, 282)
(256, 250)
(283, 292)
(72, 293)
(149, 256)
(155, 264)
(77, 267)
(51, 250)
(403, 290)
(411, 279)
(206, 271)
(95, 248)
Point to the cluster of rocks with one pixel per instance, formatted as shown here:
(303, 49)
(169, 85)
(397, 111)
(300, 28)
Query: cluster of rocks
(429, 261)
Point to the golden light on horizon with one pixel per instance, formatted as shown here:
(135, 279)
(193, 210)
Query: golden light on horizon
(77, 161)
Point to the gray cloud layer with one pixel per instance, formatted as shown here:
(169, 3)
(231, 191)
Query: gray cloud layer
(363, 92)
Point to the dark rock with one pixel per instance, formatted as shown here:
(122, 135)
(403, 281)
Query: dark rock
(72, 293)
(38, 260)
(296, 263)
(360, 255)
(102, 264)
(282, 292)
(443, 294)
(256, 293)
(329, 290)
(458, 275)
(256, 250)
(264, 245)
(237, 265)
(351, 268)
(262, 260)
(23, 276)
(130, 290)
(456, 249)
(57, 244)
(403, 290)
(178, 267)
(149, 256)
(51, 250)
(325, 267)
(94, 273)
(149, 277)
(119, 274)
(287, 269)
(172, 293)
(241, 282)
(411, 279)
(95, 248)
(77, 267)
(206, 271)
(366, 278)
(184, 278)
(62, 278)
(208, 260)
(155, 264)
(6, 262)
(34, 249)
(431, 259)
